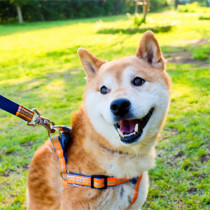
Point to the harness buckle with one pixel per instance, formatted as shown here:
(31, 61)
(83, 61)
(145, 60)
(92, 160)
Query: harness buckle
(99, 177)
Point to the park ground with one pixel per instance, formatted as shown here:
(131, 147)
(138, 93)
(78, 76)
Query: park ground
(40, 68)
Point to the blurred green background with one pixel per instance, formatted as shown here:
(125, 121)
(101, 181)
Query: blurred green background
(40, 68)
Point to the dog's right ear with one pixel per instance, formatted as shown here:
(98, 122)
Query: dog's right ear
(89, 61)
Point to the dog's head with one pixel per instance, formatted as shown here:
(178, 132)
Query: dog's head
(127, 99)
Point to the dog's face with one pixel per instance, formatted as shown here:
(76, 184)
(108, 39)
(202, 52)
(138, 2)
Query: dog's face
(127, 99)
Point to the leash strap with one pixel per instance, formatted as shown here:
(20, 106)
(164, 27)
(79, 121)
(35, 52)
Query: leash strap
(16, 109)
(32, 117)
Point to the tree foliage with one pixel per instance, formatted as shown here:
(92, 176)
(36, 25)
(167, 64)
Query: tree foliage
(19, 2)
(43, 10)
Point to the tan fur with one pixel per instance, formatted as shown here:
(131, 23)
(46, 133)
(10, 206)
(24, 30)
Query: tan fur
(90, 152)
(148, 46)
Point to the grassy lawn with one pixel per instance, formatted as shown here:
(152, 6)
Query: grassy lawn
(40, 68)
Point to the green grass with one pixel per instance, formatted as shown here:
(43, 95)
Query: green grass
(204, 17)
(40, 68)
(192, 8)
(202, 52)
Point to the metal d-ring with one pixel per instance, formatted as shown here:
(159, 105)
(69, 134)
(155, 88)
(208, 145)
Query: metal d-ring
(59, 132)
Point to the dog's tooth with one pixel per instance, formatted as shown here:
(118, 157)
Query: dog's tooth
(136, 127)
(130, 134)
(120, 132)
(126, 135)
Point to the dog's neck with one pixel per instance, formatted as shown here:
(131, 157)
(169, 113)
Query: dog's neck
(89, 153)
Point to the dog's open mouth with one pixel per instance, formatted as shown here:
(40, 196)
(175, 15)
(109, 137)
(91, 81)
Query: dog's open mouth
(131, 130)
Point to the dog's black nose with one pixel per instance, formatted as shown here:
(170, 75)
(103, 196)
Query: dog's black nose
(120, 107)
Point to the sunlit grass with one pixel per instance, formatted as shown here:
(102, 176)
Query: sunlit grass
(40, 68)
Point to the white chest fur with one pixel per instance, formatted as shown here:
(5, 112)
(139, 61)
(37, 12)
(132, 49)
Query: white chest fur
(120, 197)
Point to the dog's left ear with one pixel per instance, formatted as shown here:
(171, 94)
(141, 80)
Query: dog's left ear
(149, 50)
(89, 61)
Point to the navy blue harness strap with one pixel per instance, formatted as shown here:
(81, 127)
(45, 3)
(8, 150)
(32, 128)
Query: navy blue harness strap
(8, 105)
(64, 140)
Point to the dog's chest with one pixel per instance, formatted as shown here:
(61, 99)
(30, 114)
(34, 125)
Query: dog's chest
(131, 194)
(115, 198)
(118, 197)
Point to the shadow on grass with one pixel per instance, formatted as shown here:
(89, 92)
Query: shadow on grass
(158, 29)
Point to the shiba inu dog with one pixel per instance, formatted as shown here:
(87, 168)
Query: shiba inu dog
(113, 133)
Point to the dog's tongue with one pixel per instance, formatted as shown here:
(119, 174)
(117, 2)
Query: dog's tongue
(127, 126)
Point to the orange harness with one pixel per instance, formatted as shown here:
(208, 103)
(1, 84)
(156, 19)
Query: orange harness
(94, 181)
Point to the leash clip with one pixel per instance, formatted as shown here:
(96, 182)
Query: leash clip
(45, 122)
(36, 118)
(40, 120)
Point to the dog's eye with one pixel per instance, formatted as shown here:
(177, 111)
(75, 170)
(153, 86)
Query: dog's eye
(138, 81)
(104, 90)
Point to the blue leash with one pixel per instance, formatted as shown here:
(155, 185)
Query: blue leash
(32, 117)
(8, 105)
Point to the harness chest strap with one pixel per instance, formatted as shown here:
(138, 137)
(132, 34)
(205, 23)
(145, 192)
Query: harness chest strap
(136, 193)
(94, 181)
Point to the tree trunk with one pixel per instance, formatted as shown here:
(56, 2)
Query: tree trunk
(19, 13)
(145, 9)
(176, 3)
(136, 8)
(148, 5)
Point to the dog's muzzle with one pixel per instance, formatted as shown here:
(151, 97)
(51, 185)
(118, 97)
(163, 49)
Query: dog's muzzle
(129, 129)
